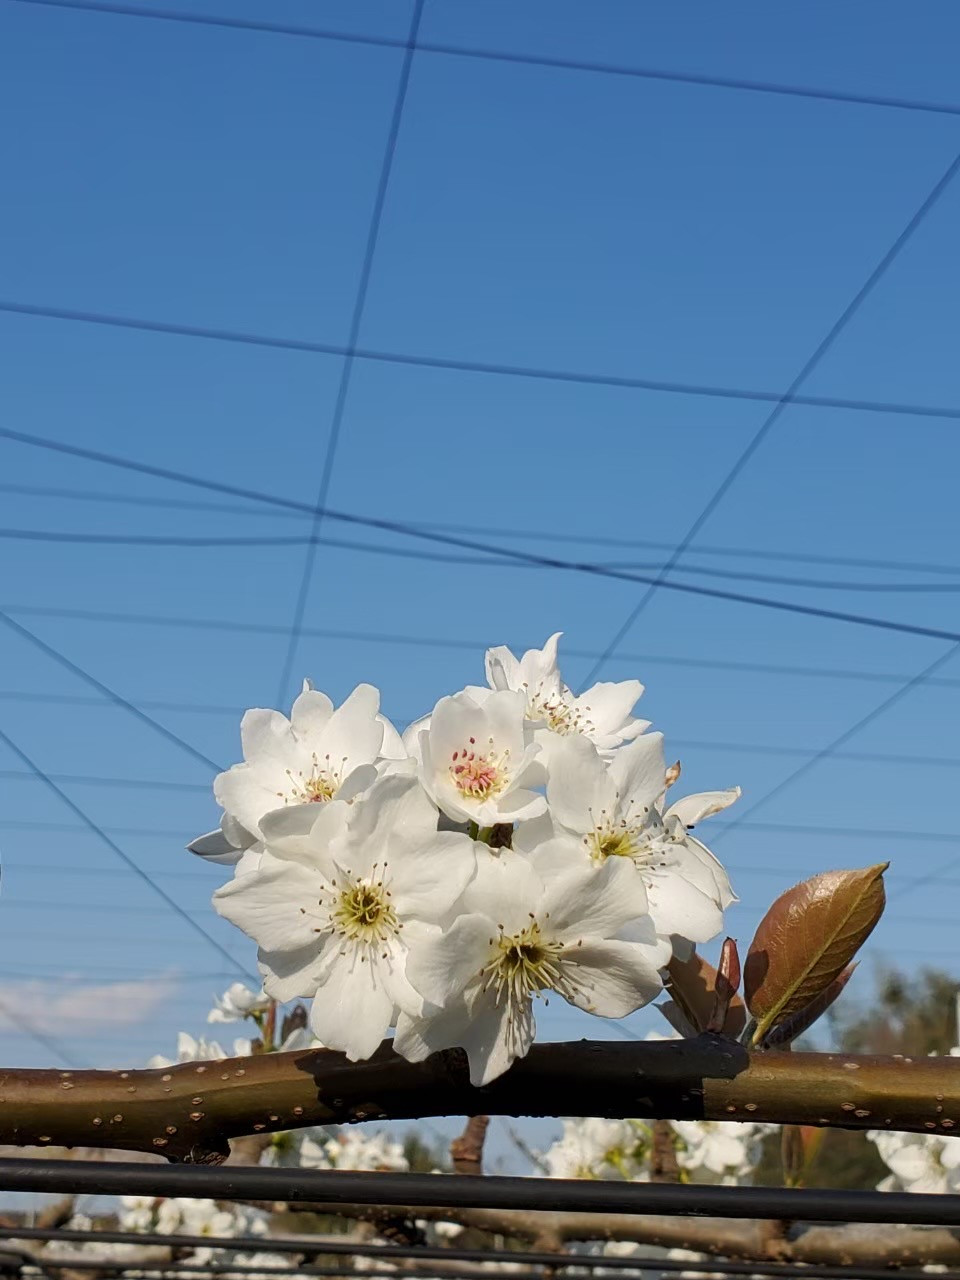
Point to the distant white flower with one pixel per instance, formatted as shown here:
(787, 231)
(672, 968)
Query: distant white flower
(337, 908)
(595, 1148)
(727, 1148)
(527, 932)
(602, 713)
(238, 1002)
(479, 761)
(321, 753)
(920, 1162)
(353, 1149)
(200, 1050)
(615, 808)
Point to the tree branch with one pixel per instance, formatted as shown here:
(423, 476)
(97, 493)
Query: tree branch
(190, 1112)
(466, 1152)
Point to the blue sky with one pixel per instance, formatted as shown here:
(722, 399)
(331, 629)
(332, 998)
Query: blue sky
(536, 216)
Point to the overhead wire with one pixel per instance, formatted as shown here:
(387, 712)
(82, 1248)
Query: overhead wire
(26, 1026)
(555, 62)
(111, 694)
(81, 537)
(826, 751)
(353, 337)
(483, 367)
(809, 366)
(552, 535)
(401, 527)
(118, 852)
(238, 626)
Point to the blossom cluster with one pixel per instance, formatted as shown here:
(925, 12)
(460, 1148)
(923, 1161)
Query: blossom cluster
(514, 843)
(919, 1162)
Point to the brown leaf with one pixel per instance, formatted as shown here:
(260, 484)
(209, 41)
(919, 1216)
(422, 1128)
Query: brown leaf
(692, 985)
(806, 939)
(784, 1033)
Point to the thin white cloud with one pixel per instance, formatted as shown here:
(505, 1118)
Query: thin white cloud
(47, 1005)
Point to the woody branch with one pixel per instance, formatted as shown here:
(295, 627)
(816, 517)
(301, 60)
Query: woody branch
(192, 1111)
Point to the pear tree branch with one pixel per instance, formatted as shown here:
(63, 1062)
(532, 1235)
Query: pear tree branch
(191, 1112)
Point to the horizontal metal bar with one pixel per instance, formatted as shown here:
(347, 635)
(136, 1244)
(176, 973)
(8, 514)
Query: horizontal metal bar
(463, 1191)
(318, 1246)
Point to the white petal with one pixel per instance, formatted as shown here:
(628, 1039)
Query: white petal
(580, 785)
(428, 878)
(590, 901)
(615, 977)
(705, 870)
(392, 747)
(291, 975)
(242, 792)
(528, 835)
(441, 968)
(273, 906)
(677, 906)
(503, 669)
(505, 712)
(490, 1038)
(411, 736)
(505, 889)
(354, 732)
(305, 833)
(639, 771)
(310, 713)
(352, 1011)
(693, 809)
(608, 705)
(215, 847)
(495, 1037)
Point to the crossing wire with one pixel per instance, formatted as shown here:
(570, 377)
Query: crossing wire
(313, 540)
(807, 369)
(484, 367)
(111, 694)
(737, 83)
(125, 858)
(472, 544)
(237, 626)
(346, 369)
(825, 752)
(553, 535)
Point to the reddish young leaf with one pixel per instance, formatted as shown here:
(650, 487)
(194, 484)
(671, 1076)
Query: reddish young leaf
(806, 940)
(726, 984)
(799, 1144)
(693, 986)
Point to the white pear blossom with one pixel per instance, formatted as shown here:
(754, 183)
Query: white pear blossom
(728, 1149)
(593, 1148)
(201, 1050)
(478, 760)
(354, 1149)
(336, 908)
(920, 1162)
(527, 931)
(603, 713)
(615, 809)
(238, 1002)
(321, 753)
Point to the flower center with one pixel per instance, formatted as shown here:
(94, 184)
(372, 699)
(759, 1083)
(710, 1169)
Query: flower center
(612, 842)
(316, 787)
(364, 913)
(556, 711)
(479, 775)
(634, 832)
(524, 964)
